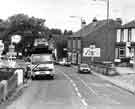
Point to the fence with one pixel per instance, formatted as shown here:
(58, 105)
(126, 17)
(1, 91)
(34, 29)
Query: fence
(7, 87)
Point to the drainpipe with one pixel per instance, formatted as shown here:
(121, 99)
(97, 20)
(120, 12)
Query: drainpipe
(134, 61)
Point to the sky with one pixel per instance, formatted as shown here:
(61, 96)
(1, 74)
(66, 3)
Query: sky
(57, 12)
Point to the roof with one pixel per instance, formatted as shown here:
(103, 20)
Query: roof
(130, 24)
(92, 27)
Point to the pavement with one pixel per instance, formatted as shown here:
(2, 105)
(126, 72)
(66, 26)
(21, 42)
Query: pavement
(125, 80)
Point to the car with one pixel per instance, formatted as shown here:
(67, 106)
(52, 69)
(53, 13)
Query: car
(84, 68)
(67, 63)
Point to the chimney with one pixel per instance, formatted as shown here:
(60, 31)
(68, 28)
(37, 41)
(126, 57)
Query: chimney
(94, 20)
(83, 23)
(119, 20)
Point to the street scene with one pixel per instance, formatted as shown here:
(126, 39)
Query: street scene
(75, 54)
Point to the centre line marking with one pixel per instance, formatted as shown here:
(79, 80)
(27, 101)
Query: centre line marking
(92, 90)
(77, 91)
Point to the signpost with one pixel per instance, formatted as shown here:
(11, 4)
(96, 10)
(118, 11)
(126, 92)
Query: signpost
(1, 48)
(92, 52)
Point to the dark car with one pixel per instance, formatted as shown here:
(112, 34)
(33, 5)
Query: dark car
(84, 68)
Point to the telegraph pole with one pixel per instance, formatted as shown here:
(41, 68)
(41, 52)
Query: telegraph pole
(108, 7)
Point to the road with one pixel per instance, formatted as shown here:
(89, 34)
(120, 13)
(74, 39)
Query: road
(71, 90)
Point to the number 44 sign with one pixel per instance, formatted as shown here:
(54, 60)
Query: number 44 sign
(88, 52)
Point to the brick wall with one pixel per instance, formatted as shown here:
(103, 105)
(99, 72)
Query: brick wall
(103, 38)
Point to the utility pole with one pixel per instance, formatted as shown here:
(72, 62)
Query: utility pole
(108, 9)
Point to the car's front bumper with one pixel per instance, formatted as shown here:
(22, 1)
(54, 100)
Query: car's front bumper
(44, 73)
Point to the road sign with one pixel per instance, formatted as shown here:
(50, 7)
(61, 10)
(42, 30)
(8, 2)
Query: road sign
(1, 45)
(94, 52)
(16, 38)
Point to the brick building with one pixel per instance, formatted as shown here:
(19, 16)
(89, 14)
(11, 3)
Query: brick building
(100, 33)
(125, 43)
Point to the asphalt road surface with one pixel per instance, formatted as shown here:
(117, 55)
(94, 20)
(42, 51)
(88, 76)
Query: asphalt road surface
(71, 90)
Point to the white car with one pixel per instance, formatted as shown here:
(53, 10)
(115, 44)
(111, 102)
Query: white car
(84, 68)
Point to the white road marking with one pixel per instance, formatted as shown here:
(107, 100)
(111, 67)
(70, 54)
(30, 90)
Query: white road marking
(92, 90)
(79, 94)
(84, 102)
(74, 84)
(77, 90)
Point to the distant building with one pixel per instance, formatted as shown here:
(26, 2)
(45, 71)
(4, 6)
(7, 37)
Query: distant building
(100, 33)
(125, 42)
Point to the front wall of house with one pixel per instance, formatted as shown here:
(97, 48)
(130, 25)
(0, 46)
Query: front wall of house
(125, 43)
(104, 39)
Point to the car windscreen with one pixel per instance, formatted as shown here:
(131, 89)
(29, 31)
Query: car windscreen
(84, 65)
(41, 58)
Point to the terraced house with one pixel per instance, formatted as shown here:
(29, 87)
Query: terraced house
(102, 34)
(125, 43)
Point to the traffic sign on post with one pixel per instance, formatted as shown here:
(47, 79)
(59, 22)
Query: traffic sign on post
(1, 48)
(88, 52)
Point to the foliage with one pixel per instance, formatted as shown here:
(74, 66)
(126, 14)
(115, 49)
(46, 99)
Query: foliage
(66, 32)
(55, 31)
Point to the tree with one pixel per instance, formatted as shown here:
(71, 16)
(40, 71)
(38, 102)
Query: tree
(28, 27)
(55, 31)
(66, 32)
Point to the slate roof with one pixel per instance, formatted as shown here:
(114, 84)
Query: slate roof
(88, 29)
(130, 24)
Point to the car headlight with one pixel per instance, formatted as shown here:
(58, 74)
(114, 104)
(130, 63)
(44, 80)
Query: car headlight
(37, 73)
(47, 72)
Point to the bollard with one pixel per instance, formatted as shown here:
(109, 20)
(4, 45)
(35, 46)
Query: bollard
(4, 82)
(20, 76)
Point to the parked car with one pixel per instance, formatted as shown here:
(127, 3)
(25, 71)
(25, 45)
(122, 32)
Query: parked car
(67, 63)
(84, 68)
(64, 63)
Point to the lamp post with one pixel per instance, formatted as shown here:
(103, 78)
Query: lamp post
(107, 7)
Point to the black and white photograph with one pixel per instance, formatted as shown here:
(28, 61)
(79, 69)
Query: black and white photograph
(67, 54)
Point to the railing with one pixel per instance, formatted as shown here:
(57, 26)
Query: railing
(7, 87)
(11, 84)
(1, 92)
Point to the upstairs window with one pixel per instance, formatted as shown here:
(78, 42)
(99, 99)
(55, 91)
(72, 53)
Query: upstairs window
(74, 44)
(122, 35)
(118, 35)
(69, 44)
(79, 44)
(129, 35)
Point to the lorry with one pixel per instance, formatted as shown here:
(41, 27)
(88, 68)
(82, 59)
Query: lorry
(41, 60)
(42, 65)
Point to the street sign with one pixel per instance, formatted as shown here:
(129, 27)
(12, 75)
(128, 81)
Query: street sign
(1, 45)
(94, 52)
(16, 38)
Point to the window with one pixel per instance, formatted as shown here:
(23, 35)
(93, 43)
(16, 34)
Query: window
(74, 43)
(118, 35)
(129, 35)
(125, 35)
(69, 44)
(116, 53)
(79, 44)
(121, 52)
(133, 35)
(122, 35)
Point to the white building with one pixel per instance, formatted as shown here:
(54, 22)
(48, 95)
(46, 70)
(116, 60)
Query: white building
(125, 42)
